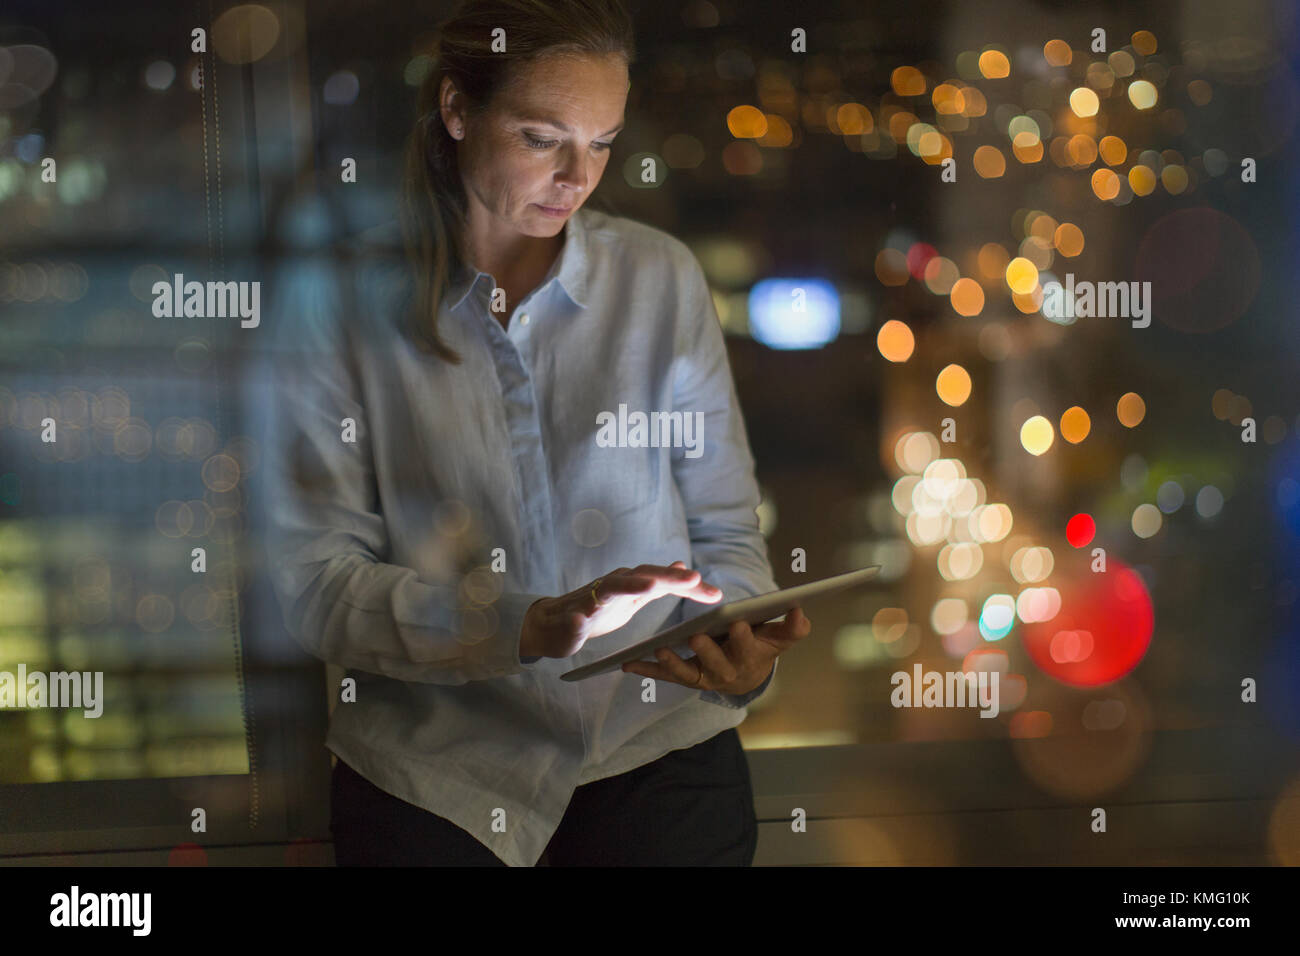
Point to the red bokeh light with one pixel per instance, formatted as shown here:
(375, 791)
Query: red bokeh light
(1112, 616)
(1080, 529)
(918, 257)
(187, 854)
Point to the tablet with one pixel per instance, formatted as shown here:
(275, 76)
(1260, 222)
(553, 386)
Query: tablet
(717, 621)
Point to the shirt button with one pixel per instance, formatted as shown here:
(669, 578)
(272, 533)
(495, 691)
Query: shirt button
(523, 319)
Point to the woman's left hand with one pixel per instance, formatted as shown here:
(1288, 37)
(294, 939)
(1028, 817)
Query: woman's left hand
(734, 667)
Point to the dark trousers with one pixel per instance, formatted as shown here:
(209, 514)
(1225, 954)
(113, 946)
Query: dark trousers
(691, 807)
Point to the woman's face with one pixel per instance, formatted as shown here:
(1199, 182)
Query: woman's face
(535, 156)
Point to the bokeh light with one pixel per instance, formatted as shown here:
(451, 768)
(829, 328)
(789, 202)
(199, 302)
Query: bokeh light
(989, 162)
(908, 81)
(1142, 94)
(1170, 496)
(245, 33)
(1209, 501)
(966, 297)
(993, 260)
(1084, 102)
(895, 341)
(1080, 530)
(1112, 150)
(1142, 180)
(997, 617)
(994, 65)
(1022, 276)
(1057, 53)
(1037, 435)
(1114, 609)
(1144, 42)
(1105, 184)
(1075, 424)
(1068, 239)
(1031, 564)
(891, 267)
(1146, 521)
(746, 122)
(1130, 409)
(913, 452)
(953, 385)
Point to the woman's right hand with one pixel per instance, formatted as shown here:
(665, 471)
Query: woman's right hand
(559, 626)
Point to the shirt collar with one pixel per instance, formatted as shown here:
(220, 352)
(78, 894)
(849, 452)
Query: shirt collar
(570, 267)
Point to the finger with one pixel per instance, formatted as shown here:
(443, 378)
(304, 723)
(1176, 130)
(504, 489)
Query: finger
(717, 666)
(798, 625)
(742, 638)
(704, 593)
(803, 626)
(794, 628)
(677, 571)
(676, 576)
(779, 635)
(652, 669)
(792, 624)
(744, 648)
(646, 578)
(648, 669)
(680, 581)
(683, 673)
(617, 584)
(696, 588)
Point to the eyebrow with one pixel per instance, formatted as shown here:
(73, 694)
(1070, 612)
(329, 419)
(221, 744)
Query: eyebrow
(546, 121)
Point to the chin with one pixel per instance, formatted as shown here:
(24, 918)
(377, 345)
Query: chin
(542, 230)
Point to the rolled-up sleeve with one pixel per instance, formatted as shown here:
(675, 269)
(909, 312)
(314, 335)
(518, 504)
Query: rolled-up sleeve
(326, 534)
(718, 487)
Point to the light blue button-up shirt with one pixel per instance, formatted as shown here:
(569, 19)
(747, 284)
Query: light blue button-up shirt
(417, 508)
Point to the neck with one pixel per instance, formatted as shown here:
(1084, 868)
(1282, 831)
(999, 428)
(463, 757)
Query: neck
(511, 255)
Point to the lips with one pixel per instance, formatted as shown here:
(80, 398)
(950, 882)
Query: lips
(556, 208)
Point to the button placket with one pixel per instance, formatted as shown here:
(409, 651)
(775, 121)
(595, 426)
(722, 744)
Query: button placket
(524, 427)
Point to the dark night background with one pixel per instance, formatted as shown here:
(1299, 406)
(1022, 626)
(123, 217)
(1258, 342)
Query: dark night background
(210, 700)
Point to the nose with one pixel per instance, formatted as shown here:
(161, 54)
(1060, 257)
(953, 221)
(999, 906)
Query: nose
(572, 171)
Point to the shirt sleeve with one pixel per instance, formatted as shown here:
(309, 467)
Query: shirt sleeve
(326, 534)
(717, 485)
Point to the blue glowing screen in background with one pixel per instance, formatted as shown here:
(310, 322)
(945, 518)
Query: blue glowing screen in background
(794, 313)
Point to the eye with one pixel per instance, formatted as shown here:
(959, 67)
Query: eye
(602, 145)
(535, 143)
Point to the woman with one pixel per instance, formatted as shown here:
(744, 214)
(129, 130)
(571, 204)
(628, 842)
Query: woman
(448, 525)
